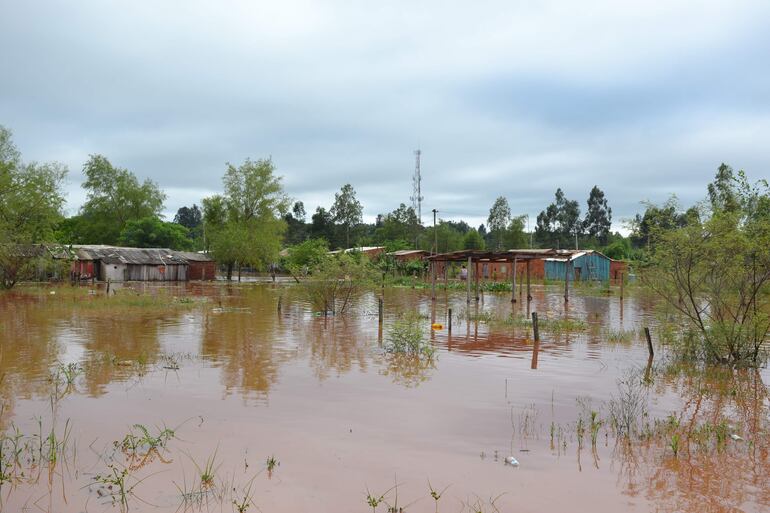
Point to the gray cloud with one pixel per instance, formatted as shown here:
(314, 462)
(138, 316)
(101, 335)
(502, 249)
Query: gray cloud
(504, 98)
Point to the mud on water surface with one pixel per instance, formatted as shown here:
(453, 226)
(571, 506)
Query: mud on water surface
(204, 397)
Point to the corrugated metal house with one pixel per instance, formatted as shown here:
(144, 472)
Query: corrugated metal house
(585, 265)
(200, 266)
(128, 264)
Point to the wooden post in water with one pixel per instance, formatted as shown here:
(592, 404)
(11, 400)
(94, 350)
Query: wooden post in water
(108, 287)
(433, 281)
(621, 286)
(513, 281)
(468, 279)
(529, 293)
(280, 299)
(566, 281)
(476, 279)
(535, 329)
(379, 310)
(649, 342)
(326, 308)
(449, 321)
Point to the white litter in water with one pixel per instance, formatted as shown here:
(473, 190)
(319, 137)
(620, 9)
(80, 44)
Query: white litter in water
(736, 437)
(510, 460)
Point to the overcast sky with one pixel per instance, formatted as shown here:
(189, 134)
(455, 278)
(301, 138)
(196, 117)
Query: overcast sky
(514, 98)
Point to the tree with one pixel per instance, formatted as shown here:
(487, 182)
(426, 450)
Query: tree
(31, 201)
(658, 219)
(598, 219)
(721, 192)
(447, 236)
(514, 236)
(189, 217)
(298, 211)
(115, 197)
(347, 210)
(497, 222)
(322, 226)
(305, 257)
(400, 225)
(716, 272)
(560, 222)
(473, 240)
(151, 232)
(246, 225)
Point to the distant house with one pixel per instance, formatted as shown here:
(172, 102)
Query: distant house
(128, 264)
(585, 265)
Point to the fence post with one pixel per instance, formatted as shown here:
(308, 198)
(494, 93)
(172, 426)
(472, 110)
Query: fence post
(380, 310)
(449, 321)
(649, 342)
(535, 328)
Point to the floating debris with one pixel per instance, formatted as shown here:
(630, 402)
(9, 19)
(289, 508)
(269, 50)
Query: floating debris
(510, 460)
(736, 437)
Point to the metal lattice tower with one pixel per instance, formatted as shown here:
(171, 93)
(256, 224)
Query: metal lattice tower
(416, 183)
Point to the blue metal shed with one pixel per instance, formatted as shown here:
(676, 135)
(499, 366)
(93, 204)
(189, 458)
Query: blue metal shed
(584, 266)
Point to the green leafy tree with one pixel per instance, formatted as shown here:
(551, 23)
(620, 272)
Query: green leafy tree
(246, 225)
(498, 221)
(715, 271)
(115, 197)
(347, 210)
(473, 240)
(151, 232)
(559, 222)
(322, 226)
(189, 217)
(515, 237)
(598, 220)
(447, 235)
(31, 201)
(305, 257)
(400, 225)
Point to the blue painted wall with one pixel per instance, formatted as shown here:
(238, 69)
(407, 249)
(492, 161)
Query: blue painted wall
(591, 266)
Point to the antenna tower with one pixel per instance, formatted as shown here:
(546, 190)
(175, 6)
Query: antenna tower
(416, 182)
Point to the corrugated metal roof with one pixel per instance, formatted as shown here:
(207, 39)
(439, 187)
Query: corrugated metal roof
(191, 256)
(404, 252)
(134, 256)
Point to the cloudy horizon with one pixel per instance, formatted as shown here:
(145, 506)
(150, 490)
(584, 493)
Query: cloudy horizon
(516, 99)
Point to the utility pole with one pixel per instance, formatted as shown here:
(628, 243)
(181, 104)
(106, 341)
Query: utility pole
(435, 233)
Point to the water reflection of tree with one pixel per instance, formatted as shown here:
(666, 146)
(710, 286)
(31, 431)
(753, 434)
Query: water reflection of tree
(118, 345)
(407, 369)
(28, 348)
(336, 346)
(247, 347)
(705, 477)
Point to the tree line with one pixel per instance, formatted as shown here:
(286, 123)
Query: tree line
(253, 218)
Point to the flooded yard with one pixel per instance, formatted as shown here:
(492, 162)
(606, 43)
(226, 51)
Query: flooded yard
(212, 397)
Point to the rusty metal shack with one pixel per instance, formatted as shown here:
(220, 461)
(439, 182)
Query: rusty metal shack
(108, 263)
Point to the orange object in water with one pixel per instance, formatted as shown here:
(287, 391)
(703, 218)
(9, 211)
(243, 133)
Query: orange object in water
(437, 326)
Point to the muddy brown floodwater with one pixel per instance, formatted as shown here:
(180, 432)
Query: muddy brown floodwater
(237, 383)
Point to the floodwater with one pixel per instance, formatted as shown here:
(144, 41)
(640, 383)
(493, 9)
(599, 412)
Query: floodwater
(239, 381)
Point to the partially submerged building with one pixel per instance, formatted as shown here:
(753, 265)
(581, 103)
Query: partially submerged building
(585, 265)
(109, 263)
(116, 264)
(200, 266)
